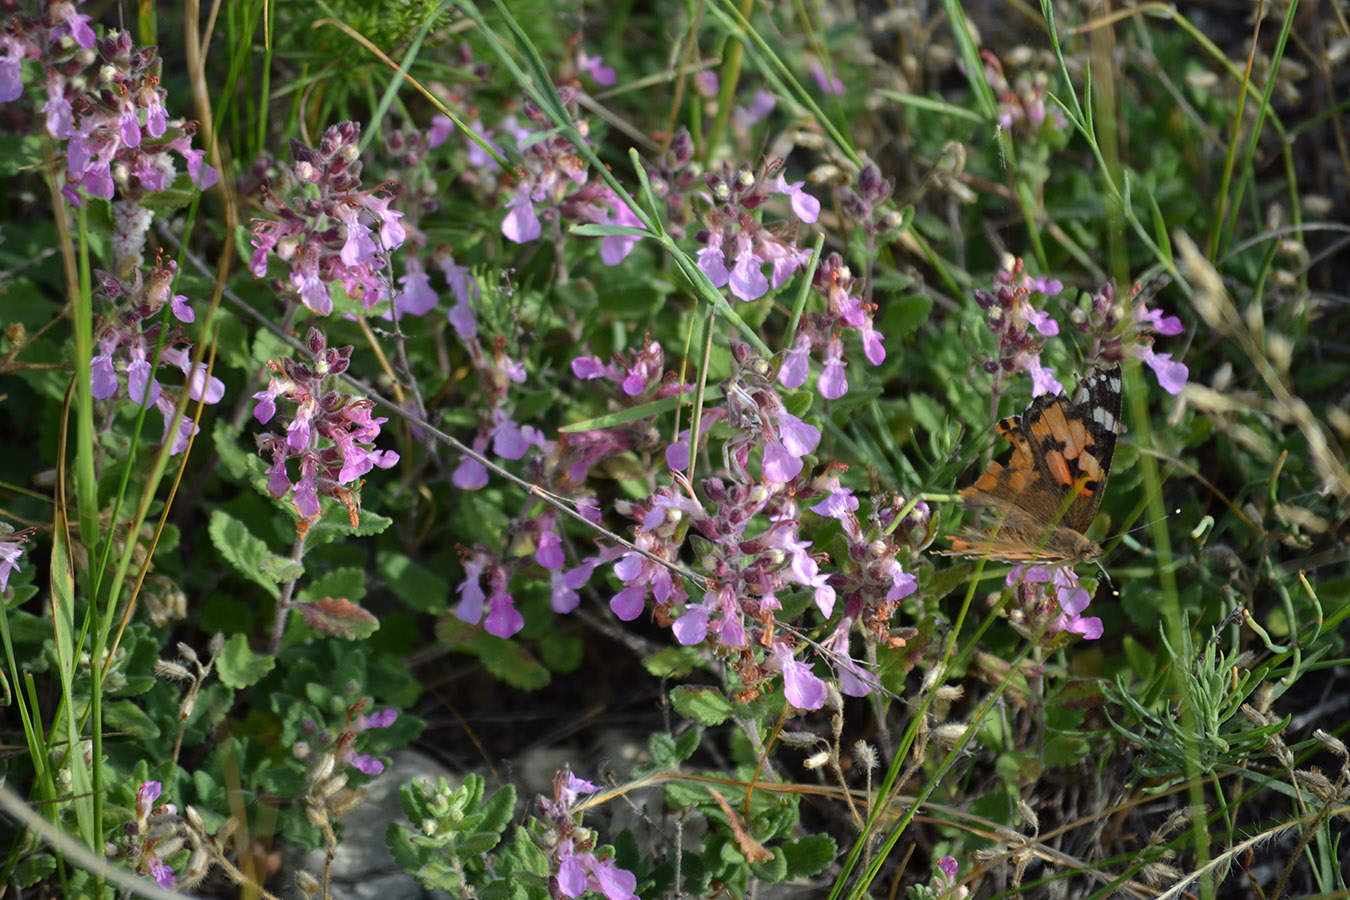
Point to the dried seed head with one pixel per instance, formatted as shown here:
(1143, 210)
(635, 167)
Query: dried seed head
(1332, 743)
(347, 801)
(1029, 816)
(172, 670)
(865, 755)
(798, 738)
(307, 883)
(816, 760)
(949, 693)
(951, 734)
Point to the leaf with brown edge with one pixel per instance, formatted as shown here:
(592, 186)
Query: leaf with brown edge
(339, 617)
(750, 848)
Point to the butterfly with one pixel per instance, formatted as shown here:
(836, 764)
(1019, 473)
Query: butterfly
(1048, 491)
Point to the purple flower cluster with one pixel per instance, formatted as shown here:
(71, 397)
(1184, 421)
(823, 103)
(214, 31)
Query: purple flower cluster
(147, 846)
(867, 204)
(1119, 332)
(640, 377)
(749, 541)
(1018, 325)
(1022, 103)
(736, 245)
(571, 847)
(497, 372)
(549, 170)
(126, 347)
(824, 332)
(328, 229)
(329, 433)
(871, 582)
(104, 101)
(1048, 602)
(322, 741)
(482, 566)
(673, 176)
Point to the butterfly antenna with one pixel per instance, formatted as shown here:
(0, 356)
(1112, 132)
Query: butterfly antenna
(1111, 584)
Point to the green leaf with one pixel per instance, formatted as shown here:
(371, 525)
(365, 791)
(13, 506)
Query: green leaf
(282, 569)
(662, 750)
(416, 586)
(687, 744)
(809, 856)
(239, 667)
(242, 550)
(561, 652)
(348, 583)
(127, 716)
(671, 662)
(339, 617)
(511, 663)
(335, 524)
(34, 868)
(1063, 751)
(904, 315)
(498, 810)
(706, 705)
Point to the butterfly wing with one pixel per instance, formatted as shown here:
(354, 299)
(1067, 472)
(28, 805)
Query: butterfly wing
(1050, 487)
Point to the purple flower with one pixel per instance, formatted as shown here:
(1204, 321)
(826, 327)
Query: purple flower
(365, 764)
(469, 475)
(11, 550)
(1171, 375)
(1043, 379)
(588, 367)
(798, 437)
(828, 83)
(1043, 322)
(838, 504)
(417, 296)
(780, 466)
(803, 204)
(833, 383)
(595, 66)
(692, 627)
(759, 106)
(872, 347)
(615, 248)
(503, 619)
(11, 79)
(162, 873)
(796, 364)
(747, 279)
(803, 688)
(521, 224)
(549, 554)
(713, 263)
